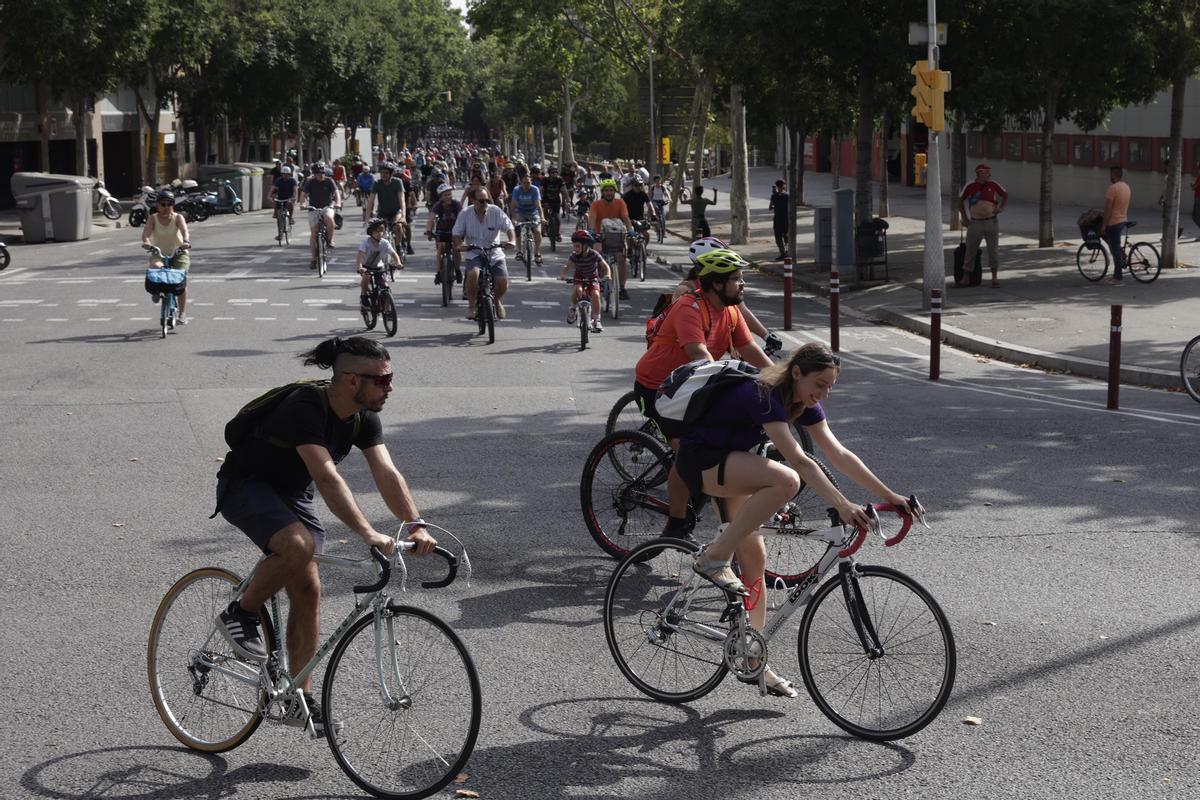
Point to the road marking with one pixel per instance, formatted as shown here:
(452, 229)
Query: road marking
(280, 304)
(224, 319)
(259, 260)
(128, 305)
(14, 319)
(551, 321)
(272, 280)
(74, 280)
(19, 302)
(100, 252)
(237, 273)
(312, 301)
(908, 353)
(539, 302)
(194, 303)
(99, 319)
(419, 319)
(140, 319)
(97, 300)
(56, 319)
(264, 319)
(14, 272)
(306, 319)
(347, 319)
(248, 300)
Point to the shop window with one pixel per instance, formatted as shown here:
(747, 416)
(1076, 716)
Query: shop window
(1137, 153)
(1014, 146)
(1062, 148)
(1033, 147)
(1083, 150)
(1108, 151)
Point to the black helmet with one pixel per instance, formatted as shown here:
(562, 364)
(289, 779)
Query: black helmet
(165, 195)
(376, 223)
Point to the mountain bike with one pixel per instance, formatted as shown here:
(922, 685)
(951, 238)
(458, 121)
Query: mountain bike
(553, 226)
(525, 242)
(876, 651)
(1189, 368)
(623, 498)
(485, 304)
(379, 300)
(1141, 258)
(446, 271)
(165, 283)
(283, 222)
(401, 695)
(636, 250)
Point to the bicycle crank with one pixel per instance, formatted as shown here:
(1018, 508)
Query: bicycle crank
(743, 645)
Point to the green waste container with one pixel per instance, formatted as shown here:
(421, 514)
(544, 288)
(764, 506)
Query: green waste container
(239, 177)
(50, 206)
(255, 196)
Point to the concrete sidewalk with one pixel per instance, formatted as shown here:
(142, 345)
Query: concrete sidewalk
(1043, 314)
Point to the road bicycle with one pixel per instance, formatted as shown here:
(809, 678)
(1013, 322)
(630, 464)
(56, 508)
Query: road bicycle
(401, 695)
(166, 294)
(553, 227)
(623, 498)
(525, 242)
(1189, 368)
(283, 223)
(485, 303)
(876, 651)
(379, 300)
(636, 250)
(1141, 258)
(322, 230)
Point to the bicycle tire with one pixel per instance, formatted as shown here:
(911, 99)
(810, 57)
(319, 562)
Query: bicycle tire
(200, 212)
(642, 261)
(1143, 262)
(683, 647)
(583, 330)
(447, 265)
(425, 680)
(173, 686)
(5, 257)
(1087, 265)
(137, 218)
(626, 415)
(281, 227)
(1189, 368)
(369, 313)
(387, 310)
(829, 639)
(164, 313)
(110, 208)
(622, 491)
(528, 244)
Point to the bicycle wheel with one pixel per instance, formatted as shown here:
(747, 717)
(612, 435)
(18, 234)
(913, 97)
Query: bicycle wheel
(583, 329)
(1189, 368)
(623, 491)
(896, 691)
(1092, 261)
(626, 415)
(791, 558)
(663, 623)
(1143, 262)
(387, 310)
(641, 252)
(206, 709)
(486, 315)
(528, 242)
(165, 313)
(411, 736)
(5, 257)
(447, 278)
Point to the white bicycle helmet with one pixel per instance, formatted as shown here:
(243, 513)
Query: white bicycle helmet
(445, 188)
(705, 245)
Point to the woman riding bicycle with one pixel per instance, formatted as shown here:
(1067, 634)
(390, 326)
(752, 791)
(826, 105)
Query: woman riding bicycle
(713, 460)
(168, 231)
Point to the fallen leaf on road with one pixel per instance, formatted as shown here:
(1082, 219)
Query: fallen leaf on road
(465, 793)
(982, 360)
(1103, 637)
(135, 459)
(991, 446)
(219, 460)
(118, 524)
(976, 721)
(987, 622)
(461, 777)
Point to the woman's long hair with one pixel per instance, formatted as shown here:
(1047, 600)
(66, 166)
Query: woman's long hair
(778, 378)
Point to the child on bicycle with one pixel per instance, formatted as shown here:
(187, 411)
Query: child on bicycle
(375, 252)
(590, 269)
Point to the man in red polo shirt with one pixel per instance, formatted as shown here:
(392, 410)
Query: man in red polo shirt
(702, 325)
(981, 202)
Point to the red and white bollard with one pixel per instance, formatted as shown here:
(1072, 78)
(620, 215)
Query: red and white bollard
(787, 294)
(835, 284)
(935, 334)
(1114, 358)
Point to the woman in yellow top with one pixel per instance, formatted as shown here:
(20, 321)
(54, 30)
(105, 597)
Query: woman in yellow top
(167, 231)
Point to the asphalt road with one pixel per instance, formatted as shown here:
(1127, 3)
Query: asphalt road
(1064, 544)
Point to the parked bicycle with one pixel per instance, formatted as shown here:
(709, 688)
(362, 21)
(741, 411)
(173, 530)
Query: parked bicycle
(401, 695)
(1141, 258)
(876, 651)
(165, 284)
(379, 300)
(283, 222)
(1189, 368)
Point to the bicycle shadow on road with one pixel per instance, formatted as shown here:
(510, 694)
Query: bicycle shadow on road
(601, 742)
(146, 772)
(566, 593)
(143, 335)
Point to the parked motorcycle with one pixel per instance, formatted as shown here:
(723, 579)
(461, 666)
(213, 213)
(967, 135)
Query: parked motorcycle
(140, 211)
(104, 202)
(224, 200)
(190, 200)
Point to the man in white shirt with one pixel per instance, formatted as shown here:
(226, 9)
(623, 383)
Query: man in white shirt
(480, 225)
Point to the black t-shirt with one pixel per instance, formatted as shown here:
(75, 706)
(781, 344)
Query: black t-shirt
(445, 215)
(320, 193)
(636, 202)
(303, 417)
(510, 180)
(779, 203)
(388, 196)
(552, 190)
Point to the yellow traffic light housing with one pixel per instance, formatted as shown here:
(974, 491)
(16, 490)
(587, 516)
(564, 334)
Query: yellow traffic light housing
(930, 95)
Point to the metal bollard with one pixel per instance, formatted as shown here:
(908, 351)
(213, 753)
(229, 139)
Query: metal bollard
(787, 294)
(834, 293)
(935, 334)
(1114, 358)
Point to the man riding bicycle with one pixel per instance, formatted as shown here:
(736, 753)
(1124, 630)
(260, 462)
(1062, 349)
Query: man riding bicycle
(639, 205)
(323, 196)
(265, 488)
(481, 226)
(526, 206)
(553, 188)
(284, 190)
(611, 207)
(388, 196)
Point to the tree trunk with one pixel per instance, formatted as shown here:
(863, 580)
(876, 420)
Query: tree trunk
(883, 163)
(81, 130)
(835, 160)
(862, 150)
(681, 156)
(958, 170)
(1170, 229)
(1046, 192)
(150, 177)
(43, 110)
(705, 89)
(739, 193)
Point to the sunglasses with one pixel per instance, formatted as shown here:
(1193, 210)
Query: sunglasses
(382, 381)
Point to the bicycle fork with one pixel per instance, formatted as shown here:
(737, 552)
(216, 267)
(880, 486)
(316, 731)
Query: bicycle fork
(859, 616)
(385, 656)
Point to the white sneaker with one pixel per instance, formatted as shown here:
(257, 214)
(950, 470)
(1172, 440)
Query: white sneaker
(596, 326)
(183, 319)
(572, 315)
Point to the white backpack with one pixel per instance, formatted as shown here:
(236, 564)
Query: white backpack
(688, 392)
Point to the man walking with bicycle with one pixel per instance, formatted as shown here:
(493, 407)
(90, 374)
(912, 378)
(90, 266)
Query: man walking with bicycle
(1116, 215)
(265, 488)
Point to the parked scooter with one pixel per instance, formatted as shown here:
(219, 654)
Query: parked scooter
(140, 211)
(190, 200)
(104, 202)
(223, 200)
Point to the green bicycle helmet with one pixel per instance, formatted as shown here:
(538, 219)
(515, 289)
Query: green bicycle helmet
(608, 183)
(720, 262)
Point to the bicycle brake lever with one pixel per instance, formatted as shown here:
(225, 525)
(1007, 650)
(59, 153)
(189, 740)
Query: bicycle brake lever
(918, 510)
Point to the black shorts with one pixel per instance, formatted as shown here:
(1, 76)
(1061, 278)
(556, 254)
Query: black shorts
(691, 462)
(260, 511)
(444, 236)
(645, 398)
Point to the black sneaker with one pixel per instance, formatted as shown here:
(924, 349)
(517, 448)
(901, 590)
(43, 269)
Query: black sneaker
(316, 714)
(678, 529)
(240, 629)
(624, 295)
(437, 278)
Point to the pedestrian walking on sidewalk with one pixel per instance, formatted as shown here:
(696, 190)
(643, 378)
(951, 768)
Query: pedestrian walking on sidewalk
(781, 205)
(980, 203)
(1116, 214)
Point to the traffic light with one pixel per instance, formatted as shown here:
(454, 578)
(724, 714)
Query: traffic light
(930, 94)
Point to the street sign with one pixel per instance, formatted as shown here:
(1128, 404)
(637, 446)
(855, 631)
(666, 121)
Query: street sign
(664, 152)
(918, 33)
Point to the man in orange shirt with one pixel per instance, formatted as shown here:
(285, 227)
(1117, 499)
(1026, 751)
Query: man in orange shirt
(703, 325)
(609, 206)
(1116, 214)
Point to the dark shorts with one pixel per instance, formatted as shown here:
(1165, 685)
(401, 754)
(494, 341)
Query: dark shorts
(645, 398)
(691, 462)
(260, 511)
(443, 236)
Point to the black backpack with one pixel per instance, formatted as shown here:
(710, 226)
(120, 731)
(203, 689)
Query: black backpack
(240, 429)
